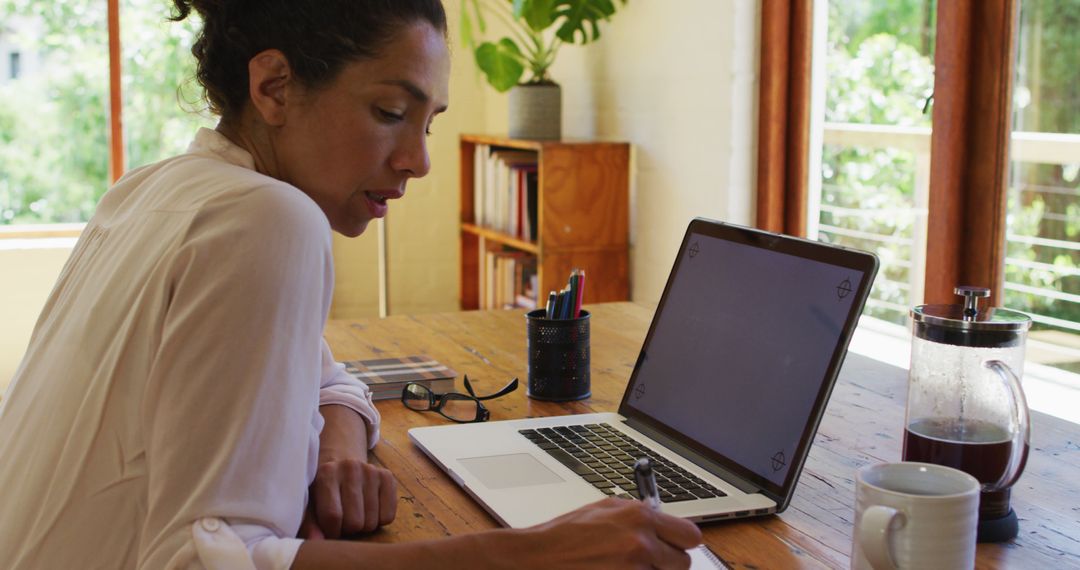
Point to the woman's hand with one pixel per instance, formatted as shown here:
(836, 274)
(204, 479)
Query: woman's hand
(614, 533)
(611, 534)
(348, 497)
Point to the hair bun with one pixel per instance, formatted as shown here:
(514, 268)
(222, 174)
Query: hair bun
(317, 37)
(205, 8)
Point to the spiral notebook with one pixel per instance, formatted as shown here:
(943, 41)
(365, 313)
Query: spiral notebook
(701, 558)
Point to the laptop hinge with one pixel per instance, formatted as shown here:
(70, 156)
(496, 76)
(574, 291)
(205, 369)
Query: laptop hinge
(694, 457)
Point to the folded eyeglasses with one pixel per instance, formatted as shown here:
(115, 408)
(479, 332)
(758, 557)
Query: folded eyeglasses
(461, 408)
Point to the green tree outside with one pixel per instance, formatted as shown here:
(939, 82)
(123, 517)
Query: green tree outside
(879, 71)
(54, 159)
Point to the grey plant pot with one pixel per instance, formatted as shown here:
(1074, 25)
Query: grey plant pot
(536, 112)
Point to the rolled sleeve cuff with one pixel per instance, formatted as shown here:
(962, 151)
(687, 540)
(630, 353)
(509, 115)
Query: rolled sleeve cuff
(219, 546)
(358, 399)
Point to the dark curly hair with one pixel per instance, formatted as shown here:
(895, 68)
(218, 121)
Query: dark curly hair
(317, 36)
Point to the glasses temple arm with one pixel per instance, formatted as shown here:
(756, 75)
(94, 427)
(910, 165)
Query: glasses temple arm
(506, 390)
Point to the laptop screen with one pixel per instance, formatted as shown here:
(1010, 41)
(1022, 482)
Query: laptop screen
(741, 353)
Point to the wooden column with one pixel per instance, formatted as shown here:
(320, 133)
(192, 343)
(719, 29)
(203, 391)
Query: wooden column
(974, 61)
(784, 115)
(116, 127)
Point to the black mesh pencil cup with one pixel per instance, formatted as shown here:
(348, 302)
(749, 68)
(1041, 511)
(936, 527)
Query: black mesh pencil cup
(558, 357)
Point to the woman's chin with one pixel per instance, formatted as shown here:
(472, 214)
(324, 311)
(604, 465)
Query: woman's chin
(352, 228)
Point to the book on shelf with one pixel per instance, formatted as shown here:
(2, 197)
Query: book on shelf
(509, 280)
(504, 190)
(387, 377)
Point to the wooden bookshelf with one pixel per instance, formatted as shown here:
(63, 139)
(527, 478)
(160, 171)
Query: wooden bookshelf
(583, 217)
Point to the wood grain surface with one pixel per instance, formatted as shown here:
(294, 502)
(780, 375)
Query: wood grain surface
(863, 424)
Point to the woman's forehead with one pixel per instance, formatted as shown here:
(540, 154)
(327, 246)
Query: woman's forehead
(417, 60)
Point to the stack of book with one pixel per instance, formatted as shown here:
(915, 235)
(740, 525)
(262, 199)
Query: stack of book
(386, 377)
(504, 190)
(509, 280)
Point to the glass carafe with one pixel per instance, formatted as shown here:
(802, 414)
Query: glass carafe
(966, 408)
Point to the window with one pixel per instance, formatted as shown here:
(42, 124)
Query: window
(55, 126)
(14, 68)
(873, 155)
(1042, 255)
(978, 184)
(875, 163)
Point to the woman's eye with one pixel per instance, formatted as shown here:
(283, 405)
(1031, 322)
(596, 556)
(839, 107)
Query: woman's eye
(391, 116)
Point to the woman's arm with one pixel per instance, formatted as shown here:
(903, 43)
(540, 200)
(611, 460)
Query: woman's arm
(613, 533)
(349, 495)
(229, 414)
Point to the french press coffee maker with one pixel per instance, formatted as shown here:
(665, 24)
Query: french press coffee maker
(966, 408)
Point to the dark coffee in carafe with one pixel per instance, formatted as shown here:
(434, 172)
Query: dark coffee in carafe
(966, 407)
(978, 447)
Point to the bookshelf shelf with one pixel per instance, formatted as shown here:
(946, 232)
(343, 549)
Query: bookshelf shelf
(571, 200)
(498, 237)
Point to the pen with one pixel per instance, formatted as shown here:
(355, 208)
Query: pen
(580, 292)
(646, 483)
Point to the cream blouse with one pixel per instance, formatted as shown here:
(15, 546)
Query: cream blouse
(166, 412)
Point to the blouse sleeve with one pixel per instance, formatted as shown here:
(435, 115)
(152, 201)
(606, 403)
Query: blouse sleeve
(340, 387)
(230, 415)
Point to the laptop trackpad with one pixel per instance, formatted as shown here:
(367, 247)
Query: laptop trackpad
(509, 471)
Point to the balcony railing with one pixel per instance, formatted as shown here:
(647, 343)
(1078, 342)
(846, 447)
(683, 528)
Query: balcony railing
(905, 273)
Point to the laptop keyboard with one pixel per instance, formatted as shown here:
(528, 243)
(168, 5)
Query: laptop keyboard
(604, 456)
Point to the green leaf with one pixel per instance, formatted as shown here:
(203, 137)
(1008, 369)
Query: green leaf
(538, 14)
(501, 63)
(580, 16)
(468, 38)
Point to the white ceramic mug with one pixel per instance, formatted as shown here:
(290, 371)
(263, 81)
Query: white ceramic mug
(914, 515)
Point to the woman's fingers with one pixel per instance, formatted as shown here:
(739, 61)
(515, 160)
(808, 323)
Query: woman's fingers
(355, 492)
(387, 497)
(678, 532)
(326, 493)
(352, 497)
(369, 506)
(635, 537)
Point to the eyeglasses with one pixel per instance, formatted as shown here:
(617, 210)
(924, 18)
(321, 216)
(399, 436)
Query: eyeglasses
(453, 406)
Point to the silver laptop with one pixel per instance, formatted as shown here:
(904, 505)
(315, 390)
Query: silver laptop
(726, 395)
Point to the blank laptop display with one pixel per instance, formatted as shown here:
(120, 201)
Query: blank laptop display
(740, 349)
(727, 391)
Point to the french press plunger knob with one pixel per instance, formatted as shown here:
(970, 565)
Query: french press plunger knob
(971, 299)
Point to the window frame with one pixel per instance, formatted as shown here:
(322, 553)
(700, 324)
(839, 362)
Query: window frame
(974, 65)
(116, 114)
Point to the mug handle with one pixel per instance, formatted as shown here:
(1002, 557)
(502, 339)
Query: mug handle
(1023, 425)
(873, 535)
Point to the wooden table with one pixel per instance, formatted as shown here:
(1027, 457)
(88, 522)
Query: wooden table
(863, 424)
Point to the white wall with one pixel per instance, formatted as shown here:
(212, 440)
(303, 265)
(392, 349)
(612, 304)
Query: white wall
(677, 80)
(680, 83)
(27, 276)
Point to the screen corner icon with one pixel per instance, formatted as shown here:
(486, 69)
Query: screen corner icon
(843, 289)
(779, 461)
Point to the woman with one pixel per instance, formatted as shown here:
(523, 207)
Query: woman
(177, 407)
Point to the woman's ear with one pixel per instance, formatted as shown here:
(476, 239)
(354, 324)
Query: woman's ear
(268, 76)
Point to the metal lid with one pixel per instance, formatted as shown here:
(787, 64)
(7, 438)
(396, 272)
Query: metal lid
(967, 325)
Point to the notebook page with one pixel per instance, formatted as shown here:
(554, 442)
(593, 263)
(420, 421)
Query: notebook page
(701, 558)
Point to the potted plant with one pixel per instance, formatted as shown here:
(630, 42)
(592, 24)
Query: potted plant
(537, 29)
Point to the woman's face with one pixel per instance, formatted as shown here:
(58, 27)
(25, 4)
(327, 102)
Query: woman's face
(353, 144)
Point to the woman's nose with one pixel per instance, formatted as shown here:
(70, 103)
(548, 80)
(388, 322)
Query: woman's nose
(411, 157)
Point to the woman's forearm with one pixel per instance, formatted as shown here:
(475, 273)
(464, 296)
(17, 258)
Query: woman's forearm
(494, 549)
(344, 434)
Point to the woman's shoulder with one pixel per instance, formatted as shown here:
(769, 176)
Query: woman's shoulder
(234, 195)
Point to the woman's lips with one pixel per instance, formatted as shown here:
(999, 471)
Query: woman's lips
(376, 201)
